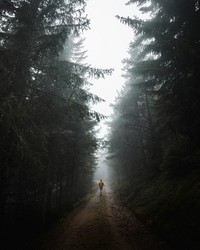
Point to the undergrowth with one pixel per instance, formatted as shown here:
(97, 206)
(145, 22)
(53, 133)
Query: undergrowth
(169, 207)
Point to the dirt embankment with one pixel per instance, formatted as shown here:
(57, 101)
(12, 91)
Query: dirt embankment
(101, 223)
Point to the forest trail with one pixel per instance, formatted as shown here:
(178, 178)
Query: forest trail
(101, 223)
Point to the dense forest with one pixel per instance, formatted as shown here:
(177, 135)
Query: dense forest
(155, 131)
(47, 126)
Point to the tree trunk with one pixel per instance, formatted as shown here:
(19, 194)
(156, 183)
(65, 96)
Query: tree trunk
(46, 197)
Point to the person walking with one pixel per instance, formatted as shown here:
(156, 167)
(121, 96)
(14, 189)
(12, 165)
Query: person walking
(101, 184)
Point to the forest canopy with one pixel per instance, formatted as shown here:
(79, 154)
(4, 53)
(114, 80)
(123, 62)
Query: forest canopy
(155, 130)
(47, 126)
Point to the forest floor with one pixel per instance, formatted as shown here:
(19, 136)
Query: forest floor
(100, 223)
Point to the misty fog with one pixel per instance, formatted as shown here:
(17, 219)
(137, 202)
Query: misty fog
(96, 90)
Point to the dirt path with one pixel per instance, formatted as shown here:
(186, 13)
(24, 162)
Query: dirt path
(102, 223)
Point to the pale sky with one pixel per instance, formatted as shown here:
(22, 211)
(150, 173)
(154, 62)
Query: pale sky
(107, 43)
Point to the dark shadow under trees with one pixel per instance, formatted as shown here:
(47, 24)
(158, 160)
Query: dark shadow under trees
(154, 139)
(48, 143)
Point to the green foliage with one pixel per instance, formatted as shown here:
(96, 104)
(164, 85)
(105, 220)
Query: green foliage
(168, 207)
(47, 128)
(154, 139)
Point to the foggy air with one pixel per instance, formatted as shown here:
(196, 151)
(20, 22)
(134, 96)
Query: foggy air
(99, 122)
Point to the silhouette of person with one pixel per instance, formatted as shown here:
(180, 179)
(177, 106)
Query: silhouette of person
(101, 184)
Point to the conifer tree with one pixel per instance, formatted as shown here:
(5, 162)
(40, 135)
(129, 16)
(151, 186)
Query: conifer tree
(47, 128)
(170, 41)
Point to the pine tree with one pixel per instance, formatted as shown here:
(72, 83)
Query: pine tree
(170, 41)
(47, 127)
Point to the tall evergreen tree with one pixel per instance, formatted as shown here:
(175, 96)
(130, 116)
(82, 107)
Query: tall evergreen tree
(160, 105)
(171, 74)
(46, 125)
